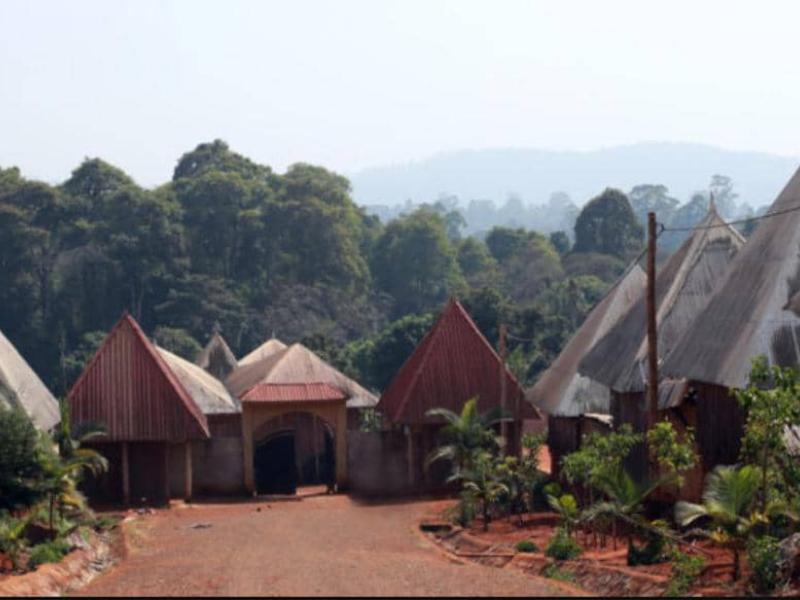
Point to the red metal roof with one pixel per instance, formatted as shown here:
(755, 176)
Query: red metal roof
(129, 389)
(452, 364)
(293, 392)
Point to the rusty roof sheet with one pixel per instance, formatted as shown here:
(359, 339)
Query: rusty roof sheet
(755, 309)
(561, 390)
(128, 387)
(265, 350)
(293, 392)
(450, 365)
(20, 387)
(297, 364)
(683, 287)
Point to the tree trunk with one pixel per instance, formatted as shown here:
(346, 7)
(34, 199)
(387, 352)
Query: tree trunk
(486, 516)
(736, 566)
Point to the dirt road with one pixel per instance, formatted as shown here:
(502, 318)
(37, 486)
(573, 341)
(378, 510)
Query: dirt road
(319, 546)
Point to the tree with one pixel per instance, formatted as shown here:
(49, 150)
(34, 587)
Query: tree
(20, 464)
(482, 483)
(415, 262)
(178, 341)
(476, 262)
(607, 225)
(560, 241)
(672, 455)
(647, 198)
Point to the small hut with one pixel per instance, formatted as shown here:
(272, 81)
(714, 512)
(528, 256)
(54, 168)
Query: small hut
(683, 287)
(216, 357)
(755, 311)
(293, 425)
(452, 363)
(575, 404)
(21, 388)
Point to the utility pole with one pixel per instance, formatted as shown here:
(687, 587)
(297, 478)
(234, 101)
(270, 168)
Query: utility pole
(501, 350)
(652, 333)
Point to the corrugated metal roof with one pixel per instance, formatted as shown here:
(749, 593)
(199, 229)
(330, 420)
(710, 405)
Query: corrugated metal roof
(297, 364)
(128, 387)
(754, 310)
(265, 350)
(561, 390)
(20, 387)
(217, 358)
(683, 288)
(450, 365)
(293, 392)
(208, 392)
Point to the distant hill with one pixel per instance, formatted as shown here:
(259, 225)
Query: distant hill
(535, 174)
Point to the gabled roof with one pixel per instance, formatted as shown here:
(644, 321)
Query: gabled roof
(561, 390)
(754, 310)
(293, 392)
(20, 387)
(683, 287)
(268, 348)
(128, 387)
(216, 357)
(208, 392)
(297, 364)
(450, 365)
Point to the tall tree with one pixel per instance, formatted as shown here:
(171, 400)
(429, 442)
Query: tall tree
(608, 225)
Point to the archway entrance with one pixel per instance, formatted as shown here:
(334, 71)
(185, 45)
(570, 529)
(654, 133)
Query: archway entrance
(290, 442)
(274, 464)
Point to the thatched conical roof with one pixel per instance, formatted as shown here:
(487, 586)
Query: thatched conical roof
(266, 349)
(216, 357)
(297, 364)
(683, 287)
(208, 392)
(20, 387)
(561, 390)
(755, 309)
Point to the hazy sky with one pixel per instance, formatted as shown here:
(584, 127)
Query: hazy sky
(350, 84)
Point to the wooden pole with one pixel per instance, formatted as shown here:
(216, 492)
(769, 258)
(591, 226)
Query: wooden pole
(126, 475)
(652, 333)
(501, 350)
(187, 493)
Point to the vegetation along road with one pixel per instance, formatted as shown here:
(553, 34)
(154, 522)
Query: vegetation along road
(329, 545)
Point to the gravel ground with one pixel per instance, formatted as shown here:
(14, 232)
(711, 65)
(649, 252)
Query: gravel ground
(332, 546)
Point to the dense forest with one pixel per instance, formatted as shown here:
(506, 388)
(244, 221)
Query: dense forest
(229, 243)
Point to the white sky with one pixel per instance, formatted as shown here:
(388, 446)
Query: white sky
(355, 83)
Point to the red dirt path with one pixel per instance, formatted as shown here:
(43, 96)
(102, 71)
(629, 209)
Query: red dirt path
(328, 545)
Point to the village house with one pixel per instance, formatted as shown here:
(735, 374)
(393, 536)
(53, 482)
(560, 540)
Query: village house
(20, 387)
(577, 405)
(684, 286)
(755, 311)
(451, 364)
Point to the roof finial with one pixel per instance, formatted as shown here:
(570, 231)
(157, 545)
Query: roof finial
(216, 327)
(712, 206)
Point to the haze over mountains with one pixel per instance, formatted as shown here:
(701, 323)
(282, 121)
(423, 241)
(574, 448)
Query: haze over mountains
(533, 175)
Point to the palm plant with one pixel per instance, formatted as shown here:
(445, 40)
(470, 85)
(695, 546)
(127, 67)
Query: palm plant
(567, 508)
(624, 500)
(482, 483)
(729, 501)
(465, 435)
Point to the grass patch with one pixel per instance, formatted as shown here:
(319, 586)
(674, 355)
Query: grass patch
(553, 571)
(48, 552)
(526, 546)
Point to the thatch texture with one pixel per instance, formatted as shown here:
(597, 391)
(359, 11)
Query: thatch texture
(683, 288)
(208, 392)
(217, 358)
(452, 363)
(561, 390)
(755, 309)
(266, 349)
(20, 387)
(297, 364)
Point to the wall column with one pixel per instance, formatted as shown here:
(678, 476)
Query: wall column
(166, 473)
(187, 494)
(247, 447)
(126, 475)
(341, 446)
(410, 456)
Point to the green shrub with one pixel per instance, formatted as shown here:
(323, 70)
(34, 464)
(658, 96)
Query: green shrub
(562, 546)
(553, 571)
(105, 522)
(685, 569)
(654, 550)
(48, 552)
(20, 465)
(762, 555)
(466, 509)
(526, 546)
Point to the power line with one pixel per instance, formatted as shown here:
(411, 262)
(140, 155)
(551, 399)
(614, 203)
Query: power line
(736, 222)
